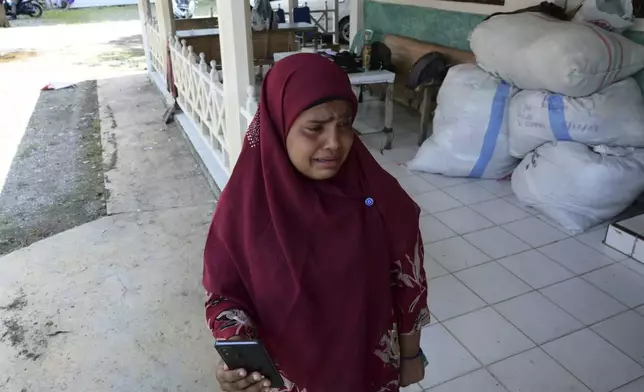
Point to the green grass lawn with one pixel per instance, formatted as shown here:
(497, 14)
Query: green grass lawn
(106, 14)
(91, 15)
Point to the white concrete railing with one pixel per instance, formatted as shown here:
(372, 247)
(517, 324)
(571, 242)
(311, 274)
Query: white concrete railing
(248, 111)
(157, 47)
(200, 95)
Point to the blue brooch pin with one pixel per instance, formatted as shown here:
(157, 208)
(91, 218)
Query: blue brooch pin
(368, 202)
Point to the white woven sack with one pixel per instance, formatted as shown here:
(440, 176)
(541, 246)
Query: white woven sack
(536, 52)
(613, 117)
(578, 186)
(470, 132)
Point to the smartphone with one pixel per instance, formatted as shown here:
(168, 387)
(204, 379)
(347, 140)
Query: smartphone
(251, 356)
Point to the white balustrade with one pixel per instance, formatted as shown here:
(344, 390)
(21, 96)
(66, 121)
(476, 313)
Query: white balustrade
(249, 110)
(157, 48)
(200, 95)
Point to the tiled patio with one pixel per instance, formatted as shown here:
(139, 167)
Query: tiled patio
(517, 305)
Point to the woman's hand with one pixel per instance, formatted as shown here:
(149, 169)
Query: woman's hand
(412, 371)
(240, 380)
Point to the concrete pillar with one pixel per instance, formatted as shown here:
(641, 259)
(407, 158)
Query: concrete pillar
(336, 22)
(146, 7)
(237, 68)
(4, 21)
(357, 17)
(290, 5)
(165, 18)
(144, 15)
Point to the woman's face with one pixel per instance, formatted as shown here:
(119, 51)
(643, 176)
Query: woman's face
(320, 139)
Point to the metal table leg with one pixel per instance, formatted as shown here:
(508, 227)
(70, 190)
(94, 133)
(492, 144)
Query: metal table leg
(389, 116)
(425, 115)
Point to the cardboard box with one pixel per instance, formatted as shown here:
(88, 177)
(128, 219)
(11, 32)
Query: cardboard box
(627, 237)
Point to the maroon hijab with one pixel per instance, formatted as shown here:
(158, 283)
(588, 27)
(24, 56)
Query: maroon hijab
(309, 261)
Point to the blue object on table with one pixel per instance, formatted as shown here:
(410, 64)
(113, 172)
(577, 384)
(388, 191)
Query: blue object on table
(303, 15)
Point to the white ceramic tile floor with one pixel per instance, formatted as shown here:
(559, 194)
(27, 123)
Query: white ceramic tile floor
(479, 381)
(450, 298)
(456, 254)
(535, 371)
(620, 283)
(397, 170)
(434, 230)
(634, 386)
(537, 317)
(492, 282)
(443, 182)
(535, 232)
(500, 211)
(634, 265)
(447, 357)
(640, 310)
(470, 193)
(584, 301)
(433, 269)
(575, 256)
(436, 201)
(626, 332)
(474, 262)
(536, 269)
(497, 242)
(513, 200)
(463, 220)
(595, 239)
(488, 336)
(415, 185)
(594, 361)
(498, 187)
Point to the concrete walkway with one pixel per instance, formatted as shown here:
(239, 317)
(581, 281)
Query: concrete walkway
(116, 304)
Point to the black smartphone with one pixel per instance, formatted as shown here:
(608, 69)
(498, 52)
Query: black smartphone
(251, 356)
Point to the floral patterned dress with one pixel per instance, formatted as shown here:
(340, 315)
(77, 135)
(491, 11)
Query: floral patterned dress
(409, 316)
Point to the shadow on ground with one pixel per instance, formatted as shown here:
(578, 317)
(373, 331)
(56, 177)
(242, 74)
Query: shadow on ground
(127, 51)
(56, 179)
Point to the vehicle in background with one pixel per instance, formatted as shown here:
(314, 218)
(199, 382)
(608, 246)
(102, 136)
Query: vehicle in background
(318, 5)
(26, 7)
(183, 9)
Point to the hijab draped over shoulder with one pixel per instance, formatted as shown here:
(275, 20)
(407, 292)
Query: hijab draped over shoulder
(309, 262)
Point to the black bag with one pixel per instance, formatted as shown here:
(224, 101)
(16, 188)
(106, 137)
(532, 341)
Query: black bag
(347, 61)
(544, 7)
(381, 57)
(430, 69)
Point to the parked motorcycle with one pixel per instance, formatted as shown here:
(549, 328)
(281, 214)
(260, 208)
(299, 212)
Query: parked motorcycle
(26, 7)
(183, 9)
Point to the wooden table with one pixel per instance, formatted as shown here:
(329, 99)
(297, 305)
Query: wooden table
(293, 28)
(303, 28)
(300, 26)
(297, 27)
(380, 77)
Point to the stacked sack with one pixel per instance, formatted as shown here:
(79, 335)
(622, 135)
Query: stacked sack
(470, 131)
(558, 95)
(578, 124)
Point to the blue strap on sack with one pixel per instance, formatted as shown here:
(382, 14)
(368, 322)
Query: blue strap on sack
(557, 116)
(497, 113)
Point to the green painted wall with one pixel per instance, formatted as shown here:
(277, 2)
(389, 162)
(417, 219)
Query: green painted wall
(445, 28)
